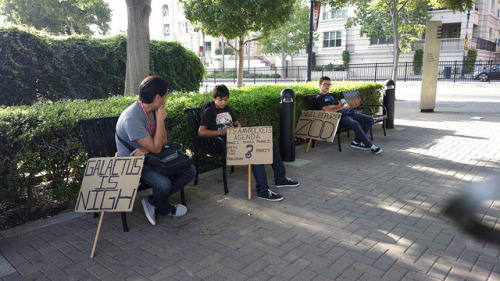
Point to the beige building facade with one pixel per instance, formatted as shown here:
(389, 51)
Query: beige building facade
(482, 24)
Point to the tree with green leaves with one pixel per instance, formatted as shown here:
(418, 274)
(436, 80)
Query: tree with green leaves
(235, 19)
(400, 20)
(292, 37)
(68, 17)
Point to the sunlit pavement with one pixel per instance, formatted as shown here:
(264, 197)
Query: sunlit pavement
(355, 216)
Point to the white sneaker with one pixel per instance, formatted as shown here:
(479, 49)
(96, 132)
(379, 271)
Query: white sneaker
(177, 210)
(149, 209)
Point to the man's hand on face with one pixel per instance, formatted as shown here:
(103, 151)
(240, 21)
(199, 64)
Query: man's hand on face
(161, 112)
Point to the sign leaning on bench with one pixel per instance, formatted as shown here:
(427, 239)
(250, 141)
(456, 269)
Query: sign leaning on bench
(109, 185)
(317, 125)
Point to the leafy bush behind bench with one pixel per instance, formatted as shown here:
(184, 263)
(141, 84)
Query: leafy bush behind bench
(34, 65)
(43, 142)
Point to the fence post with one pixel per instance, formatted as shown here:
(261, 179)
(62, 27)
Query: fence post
(454, 75)
(275, 75)
(215, 75)
(376, 66)
(254, 82)
(406, 68)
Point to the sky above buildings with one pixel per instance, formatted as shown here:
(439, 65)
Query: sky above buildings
(118, 22)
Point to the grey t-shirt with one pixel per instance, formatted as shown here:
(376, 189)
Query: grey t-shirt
(132, 125)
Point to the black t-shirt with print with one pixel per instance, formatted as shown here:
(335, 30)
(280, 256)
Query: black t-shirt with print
(217, 118)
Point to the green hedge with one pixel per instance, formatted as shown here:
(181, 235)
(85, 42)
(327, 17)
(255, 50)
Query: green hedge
(43, 142)
(34, 66)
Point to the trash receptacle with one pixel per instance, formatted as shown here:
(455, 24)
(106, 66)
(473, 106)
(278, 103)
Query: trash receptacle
(389, 97)
(447, 72)
(287, 125)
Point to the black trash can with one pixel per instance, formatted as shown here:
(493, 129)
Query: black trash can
(389, 97)
(447, 72)
(287, 125)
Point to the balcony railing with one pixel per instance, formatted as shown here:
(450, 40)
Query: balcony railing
(459, 44)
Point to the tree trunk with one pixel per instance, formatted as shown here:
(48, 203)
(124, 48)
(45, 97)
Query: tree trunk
(137, 44)
(396, 51)
(241, 57)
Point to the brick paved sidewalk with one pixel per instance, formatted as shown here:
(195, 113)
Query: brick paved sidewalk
(355, 216)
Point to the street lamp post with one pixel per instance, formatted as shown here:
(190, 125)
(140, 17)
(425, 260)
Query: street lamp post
(466, 45)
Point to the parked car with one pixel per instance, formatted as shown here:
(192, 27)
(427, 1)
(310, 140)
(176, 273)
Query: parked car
(486, 74)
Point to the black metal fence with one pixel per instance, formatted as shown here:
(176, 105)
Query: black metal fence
(407, 71)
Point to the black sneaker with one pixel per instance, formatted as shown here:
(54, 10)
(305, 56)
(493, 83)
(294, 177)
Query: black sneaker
(288, 182)
(270, 195)
(177, 210)
(376, 150)
(359, 145)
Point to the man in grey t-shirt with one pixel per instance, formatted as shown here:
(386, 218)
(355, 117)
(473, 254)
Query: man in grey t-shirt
(137, 126)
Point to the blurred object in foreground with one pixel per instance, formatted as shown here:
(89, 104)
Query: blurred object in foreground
(463, 209)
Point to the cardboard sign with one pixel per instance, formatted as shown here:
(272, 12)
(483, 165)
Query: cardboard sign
(318, 125)
(249, 145)
(110, 184)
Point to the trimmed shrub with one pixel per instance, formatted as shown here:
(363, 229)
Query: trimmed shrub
(346, 57)
(227, 51)
(35, 66)
(470, 61)
(418, 61)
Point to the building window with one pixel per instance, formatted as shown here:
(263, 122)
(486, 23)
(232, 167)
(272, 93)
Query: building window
(164, 10)
(332, 39)
(381, 41)
(329, 14)
(166, 30)
(185, 27)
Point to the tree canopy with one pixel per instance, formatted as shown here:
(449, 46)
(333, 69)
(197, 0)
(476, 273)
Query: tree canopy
(58, 16)
(290, 38)
(235, 19)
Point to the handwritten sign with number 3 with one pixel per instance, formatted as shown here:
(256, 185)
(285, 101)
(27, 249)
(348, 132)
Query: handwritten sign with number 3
(249, 145)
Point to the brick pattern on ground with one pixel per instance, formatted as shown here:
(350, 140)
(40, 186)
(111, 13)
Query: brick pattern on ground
(355, 216)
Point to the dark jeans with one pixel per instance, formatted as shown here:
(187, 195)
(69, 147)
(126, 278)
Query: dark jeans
(259, 171)
(164, 186)
(361, 125)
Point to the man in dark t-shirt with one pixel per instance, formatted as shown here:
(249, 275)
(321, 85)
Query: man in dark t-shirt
(216, 117)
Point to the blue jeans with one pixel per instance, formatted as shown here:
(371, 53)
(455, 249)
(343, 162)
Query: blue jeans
(361, 125)
(259, 171)
(164, 186)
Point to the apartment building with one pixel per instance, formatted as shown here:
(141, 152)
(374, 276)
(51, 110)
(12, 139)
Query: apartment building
(482, 24)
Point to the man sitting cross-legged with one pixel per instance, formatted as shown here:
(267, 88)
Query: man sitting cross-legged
(359, 122)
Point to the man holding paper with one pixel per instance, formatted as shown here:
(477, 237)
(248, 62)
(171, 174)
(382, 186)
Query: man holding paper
(217, 117)
(359, 122)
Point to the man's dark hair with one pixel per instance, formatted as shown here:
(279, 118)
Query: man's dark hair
(220, 91)
(152, 86)
(323, 79)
